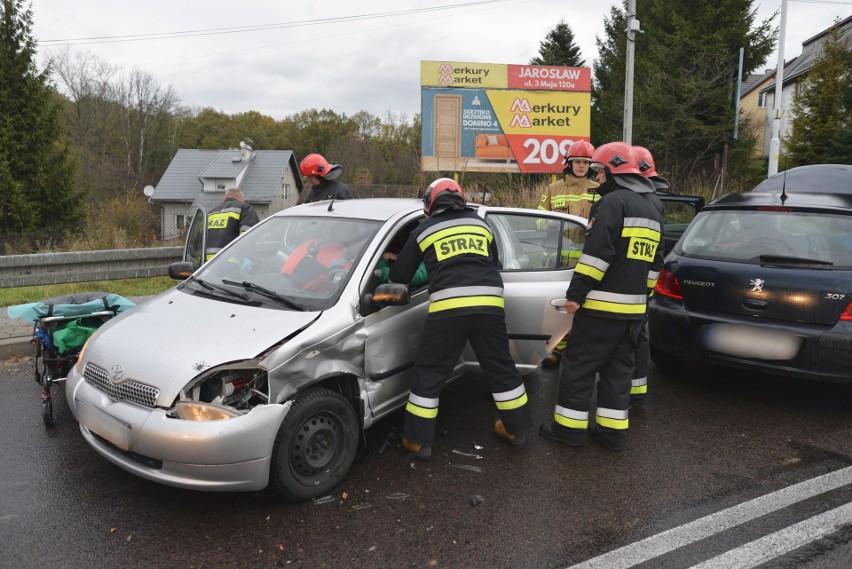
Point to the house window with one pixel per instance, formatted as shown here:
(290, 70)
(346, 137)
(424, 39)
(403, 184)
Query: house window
(761, 100)
(286, 191)
(180, 221)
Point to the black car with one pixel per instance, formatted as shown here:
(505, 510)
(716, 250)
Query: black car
(761, 281)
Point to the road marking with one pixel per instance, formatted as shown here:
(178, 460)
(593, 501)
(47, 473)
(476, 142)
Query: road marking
(777, 544)
(669, 540)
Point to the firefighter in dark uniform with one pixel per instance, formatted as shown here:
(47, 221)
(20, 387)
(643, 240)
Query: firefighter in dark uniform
(639, 384)
(574, 193)
(228, 220)
(608, 298)
(465, 305)
(323, 179)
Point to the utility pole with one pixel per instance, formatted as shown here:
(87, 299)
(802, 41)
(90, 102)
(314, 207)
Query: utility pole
(775, 141)
(633, 28)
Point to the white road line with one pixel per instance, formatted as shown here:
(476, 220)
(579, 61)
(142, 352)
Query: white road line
(781, 542)
(669, 540)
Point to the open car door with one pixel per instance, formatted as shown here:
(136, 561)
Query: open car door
(195, 249)
(538, 252)
(678, 212)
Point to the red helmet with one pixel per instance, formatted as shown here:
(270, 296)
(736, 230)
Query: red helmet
(580, 150)
(445, 190)
(616, 158)
(314, 165)
(645, 160)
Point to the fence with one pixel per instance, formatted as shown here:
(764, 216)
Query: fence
(83, 266)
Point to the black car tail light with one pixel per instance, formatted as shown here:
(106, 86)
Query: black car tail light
(667, 285)
(847, 314)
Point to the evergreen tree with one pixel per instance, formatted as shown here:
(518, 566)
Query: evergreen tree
(36, 172)
(559, 48)
(821, 126)
(684, 77)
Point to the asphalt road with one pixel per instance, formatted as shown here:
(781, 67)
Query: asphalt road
(740, 456)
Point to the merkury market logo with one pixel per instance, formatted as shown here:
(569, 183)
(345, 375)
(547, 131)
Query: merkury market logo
(449, 75)
(547, 114)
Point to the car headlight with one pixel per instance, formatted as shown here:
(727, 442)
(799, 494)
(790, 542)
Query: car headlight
(199, 411)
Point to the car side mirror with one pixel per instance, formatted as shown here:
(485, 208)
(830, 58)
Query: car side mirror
(389, 294)
(181, 270)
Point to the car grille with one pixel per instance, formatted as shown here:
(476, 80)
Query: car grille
(126, 391)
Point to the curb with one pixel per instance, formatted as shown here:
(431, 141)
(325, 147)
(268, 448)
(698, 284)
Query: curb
(16, 347)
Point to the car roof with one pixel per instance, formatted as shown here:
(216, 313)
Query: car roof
(801, 200)
(377, 209)
(821, 178)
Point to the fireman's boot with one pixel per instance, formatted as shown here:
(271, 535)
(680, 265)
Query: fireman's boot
(552, 360)
(417, 451)
(516, 440)
(555, 432)
(612, 439)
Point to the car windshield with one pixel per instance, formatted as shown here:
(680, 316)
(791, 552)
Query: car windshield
(293, 262)
(754, 236)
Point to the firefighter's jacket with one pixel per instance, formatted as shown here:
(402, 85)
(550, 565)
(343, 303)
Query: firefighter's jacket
(570, 195)
(461, 260)
(226, 222)
(329, 189)
(622, 256)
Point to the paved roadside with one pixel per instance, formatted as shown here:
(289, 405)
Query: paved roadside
(15, 334)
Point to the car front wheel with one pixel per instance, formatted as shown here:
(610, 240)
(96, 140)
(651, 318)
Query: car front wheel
(315, 446)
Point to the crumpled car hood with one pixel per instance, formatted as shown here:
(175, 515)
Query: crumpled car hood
(173, 337)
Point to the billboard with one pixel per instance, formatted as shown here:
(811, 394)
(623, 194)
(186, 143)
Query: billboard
(488, 117)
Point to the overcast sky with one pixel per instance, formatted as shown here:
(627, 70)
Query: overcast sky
(279, 57)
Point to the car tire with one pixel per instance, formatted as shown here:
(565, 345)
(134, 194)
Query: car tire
(665, 362)
(315, 445)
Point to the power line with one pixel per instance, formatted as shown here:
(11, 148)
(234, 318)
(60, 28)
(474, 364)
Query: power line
(263, 27)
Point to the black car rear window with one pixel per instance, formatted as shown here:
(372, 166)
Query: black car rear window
(748, 235)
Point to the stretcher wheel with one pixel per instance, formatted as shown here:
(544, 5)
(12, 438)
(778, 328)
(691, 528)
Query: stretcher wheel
(47, 412)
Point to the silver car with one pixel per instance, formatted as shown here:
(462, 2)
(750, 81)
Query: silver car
(247, 375)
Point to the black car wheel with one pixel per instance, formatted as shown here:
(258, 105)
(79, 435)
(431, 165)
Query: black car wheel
(315, 446)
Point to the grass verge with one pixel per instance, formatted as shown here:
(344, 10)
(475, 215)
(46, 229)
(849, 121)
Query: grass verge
(125, 288)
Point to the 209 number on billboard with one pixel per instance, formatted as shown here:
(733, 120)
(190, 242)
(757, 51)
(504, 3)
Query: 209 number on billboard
(545, 150)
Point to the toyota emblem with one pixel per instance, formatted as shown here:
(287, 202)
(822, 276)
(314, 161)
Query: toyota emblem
(116, 374)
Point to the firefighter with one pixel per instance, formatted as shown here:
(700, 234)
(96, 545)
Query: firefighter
(574, 193)
(323, 179)
(228, 220)
(639, 384)
(608, 298)
(465, 305)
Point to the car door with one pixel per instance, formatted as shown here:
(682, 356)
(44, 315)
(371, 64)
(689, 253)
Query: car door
(678, 212)
(538, 251)
(195, 248)
(392, 332)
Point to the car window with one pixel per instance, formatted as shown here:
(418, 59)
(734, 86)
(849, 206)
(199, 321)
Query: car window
(677, 215)
(307, 259)
(531, 242)
(194, 250)
(746, 235)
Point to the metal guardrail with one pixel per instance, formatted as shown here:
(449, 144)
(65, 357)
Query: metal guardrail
(84, 266)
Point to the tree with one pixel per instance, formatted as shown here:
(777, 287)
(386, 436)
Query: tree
(559, 48)
(685, 75)
(36, 172)
(821, 126)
